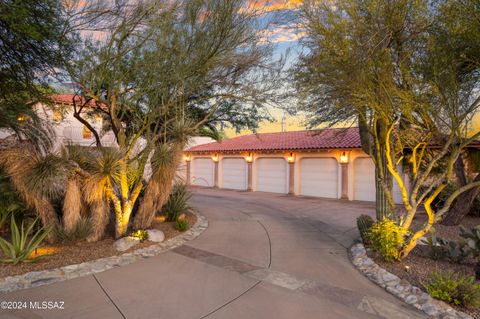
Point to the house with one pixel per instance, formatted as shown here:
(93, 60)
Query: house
(69, 130)
(325, 163)
(66, 127)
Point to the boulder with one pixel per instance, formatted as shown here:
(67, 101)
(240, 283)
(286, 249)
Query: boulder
(125, 243)
(156, 235)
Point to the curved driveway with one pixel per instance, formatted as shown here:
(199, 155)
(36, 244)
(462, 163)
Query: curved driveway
(263, 256)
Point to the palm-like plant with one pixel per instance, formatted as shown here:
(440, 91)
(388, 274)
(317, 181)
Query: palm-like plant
(37, 178)
(20, 247)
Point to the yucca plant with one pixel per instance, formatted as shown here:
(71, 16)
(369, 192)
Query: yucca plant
(20, 247)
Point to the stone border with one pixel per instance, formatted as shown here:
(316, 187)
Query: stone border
(402, 289)
(44, 277)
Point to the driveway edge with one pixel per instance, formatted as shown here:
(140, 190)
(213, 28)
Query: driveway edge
(401, 288)
(45, 277)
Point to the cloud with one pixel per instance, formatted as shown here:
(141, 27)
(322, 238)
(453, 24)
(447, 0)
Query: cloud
(281, 34)
(274, 5)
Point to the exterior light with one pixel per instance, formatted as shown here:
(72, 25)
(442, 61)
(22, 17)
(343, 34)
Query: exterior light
(21, 118)
(249, 158)
(186, 157)
(215, 157)
(291, 158)
(344, 158)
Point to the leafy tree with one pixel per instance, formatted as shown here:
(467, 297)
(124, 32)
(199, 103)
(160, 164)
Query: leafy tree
(358, 68)
(164, 72)
(32, 44)
(403, 72)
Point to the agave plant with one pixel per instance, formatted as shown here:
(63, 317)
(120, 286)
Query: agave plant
(20, 247)
(177, 202)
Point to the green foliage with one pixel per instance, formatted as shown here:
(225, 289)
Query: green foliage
(10, 201)
(181, 225)
(442, 248)
(140, 234)
(473, 239)
(82, 230)
(364, 223)
(456, 289)
(177, 202)
(387, 238)
(20, 247)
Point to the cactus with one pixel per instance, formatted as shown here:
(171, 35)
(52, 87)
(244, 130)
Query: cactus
(473, 239)
(364, 223)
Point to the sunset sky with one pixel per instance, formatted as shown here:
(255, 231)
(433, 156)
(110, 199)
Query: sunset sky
(285, 38)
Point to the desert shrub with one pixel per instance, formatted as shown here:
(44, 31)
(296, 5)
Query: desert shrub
(456, 289)
(82, 230)
(364, 223)
(140, 234)
(387, 238)
(441, 248)
(177, 202)
(20, 247)
(181, 225)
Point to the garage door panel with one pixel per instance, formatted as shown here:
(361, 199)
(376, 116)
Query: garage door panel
(319, 177)
(364, 181)
(271, 175)
(234, 173)
(203, 172)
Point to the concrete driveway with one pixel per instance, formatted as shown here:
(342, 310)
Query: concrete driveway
(263, 256)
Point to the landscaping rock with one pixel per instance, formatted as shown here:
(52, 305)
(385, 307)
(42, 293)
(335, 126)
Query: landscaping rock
(125, 243)
(156, 235)
(40, 278)
(402, 288)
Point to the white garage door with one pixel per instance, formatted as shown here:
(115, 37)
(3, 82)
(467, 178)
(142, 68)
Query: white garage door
(272, 175)
(202, 174)
(319, 177)
(234, 173)
(364, 181)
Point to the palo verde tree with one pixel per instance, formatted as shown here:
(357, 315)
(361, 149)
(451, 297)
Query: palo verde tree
(388, 66)
(445, 96)
(159, 76)
(357, 69)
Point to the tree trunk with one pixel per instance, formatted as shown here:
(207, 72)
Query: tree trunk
(72, 204)
(462, 206)
(100, 216)
(159, 187)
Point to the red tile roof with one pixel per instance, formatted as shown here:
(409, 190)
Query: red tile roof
(341, 138)
(67, 98)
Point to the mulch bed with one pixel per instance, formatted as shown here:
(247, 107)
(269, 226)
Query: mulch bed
(418, 265)
(63, 254)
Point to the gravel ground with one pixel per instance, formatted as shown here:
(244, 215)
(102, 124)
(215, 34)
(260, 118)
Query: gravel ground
(63, 254)
(417, 267)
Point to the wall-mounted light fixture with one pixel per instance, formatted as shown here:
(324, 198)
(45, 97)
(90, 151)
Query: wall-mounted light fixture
(215, 157)
(186, 157)
(344, 158)
(249, 158)
(291, 158)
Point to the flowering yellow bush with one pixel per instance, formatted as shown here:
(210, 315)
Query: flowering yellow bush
(387, 238)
